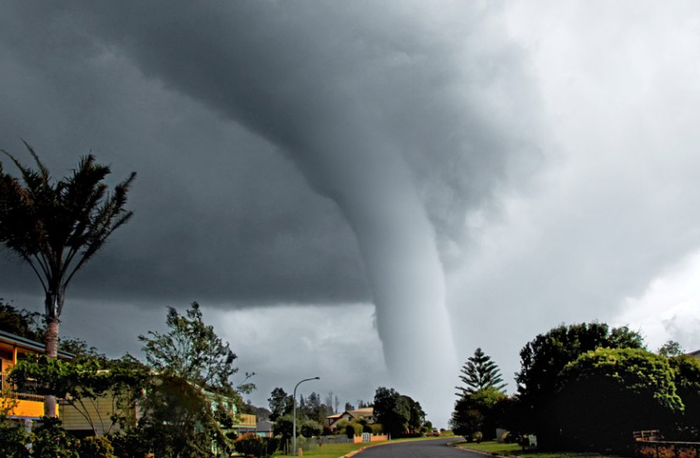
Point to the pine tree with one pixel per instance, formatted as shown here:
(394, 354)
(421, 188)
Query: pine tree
(479, 373)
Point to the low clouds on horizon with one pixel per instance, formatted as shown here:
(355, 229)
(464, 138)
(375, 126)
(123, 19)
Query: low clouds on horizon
(553, 148)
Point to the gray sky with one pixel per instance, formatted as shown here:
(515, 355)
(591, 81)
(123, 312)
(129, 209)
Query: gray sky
(480, 172)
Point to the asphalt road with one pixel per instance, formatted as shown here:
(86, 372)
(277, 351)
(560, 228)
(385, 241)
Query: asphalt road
(436, 448)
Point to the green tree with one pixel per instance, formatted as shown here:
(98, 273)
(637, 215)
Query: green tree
(542, 359)
(398, 414)
(478, 412)
(606, 394)
(280, 403)
(479, 373)
(57, 226)
(686, 376)
(670, 349)
(193, 368)
(22, 322)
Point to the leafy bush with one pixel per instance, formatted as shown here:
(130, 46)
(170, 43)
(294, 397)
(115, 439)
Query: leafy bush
(311, 428)
(253, 445)
(477, 437)
(353, 429)
(13, 439)
(350, 431)
(367, 428)
(50, 440)
(130, 444)
(634, 389)
(96, 447)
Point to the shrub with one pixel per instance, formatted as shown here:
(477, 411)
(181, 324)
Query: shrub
(253, 445)
(377, 429)
(353, 429)
(477, 437)
(50, 440)
(13, 439)
(130, 444)
(311, 428)
(633, 387)
(96, 447)
(366, 429)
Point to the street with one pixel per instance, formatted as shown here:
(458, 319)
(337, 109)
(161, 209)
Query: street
(419, 449)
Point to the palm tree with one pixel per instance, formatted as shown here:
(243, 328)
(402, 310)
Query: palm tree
(57, 226)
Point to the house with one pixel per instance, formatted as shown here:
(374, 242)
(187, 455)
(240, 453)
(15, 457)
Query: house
(264, 428)
(20, 406)
(98, 414)
(695, 354)
(366, 414)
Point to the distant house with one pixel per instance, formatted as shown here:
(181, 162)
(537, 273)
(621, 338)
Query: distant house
(695, 354)
(264, 428)
(366, 414)
(20, 405)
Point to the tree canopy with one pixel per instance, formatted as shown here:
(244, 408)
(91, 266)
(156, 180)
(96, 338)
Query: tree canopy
(57, 226)
(479, 372)
(607, 393)
(398, 414)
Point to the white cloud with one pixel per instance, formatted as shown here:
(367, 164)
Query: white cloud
(669, 308)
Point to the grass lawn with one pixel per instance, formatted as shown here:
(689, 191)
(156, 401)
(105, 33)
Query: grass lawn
(514, 449)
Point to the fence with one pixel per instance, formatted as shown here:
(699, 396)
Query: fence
(8, 390)
(666, 449)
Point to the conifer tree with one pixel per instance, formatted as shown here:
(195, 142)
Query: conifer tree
(479, 373)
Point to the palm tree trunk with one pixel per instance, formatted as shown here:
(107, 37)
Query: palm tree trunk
(54, 305)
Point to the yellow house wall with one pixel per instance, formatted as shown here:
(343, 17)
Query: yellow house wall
(24, 408)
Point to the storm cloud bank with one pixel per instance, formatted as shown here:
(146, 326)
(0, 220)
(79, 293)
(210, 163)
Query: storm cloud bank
(408, 117)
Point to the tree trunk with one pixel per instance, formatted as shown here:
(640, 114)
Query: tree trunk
(54, 304)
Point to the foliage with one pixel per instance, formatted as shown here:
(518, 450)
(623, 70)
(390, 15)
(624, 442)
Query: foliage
(542, 359)
(686, 376)
(192, 383)
(478, 412)
(399, 414)
(350, 431)
(57, 226)
(280, 403)
(13, 439)
(81, 382)
(670, 349)
(50, 440)
(314, 409)
(21, 323)
(253, 445)
(96, 447)
(131, 443)
(192, 351)
(479, 373)
(377, 428)
(284, 427)
(632, 387)
(311, 428)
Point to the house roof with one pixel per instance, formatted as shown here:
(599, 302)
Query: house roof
(28, 344)
(695, 354)
(364, 412)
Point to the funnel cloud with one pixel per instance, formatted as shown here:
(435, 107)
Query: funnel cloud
(402, 119)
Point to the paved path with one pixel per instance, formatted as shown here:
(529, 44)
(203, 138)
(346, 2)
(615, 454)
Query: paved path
(436, 448)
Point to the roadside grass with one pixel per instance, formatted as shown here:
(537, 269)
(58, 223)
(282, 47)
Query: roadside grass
(495, 448)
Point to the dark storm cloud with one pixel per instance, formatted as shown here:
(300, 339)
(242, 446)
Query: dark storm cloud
(240, 225)
(218, 214)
